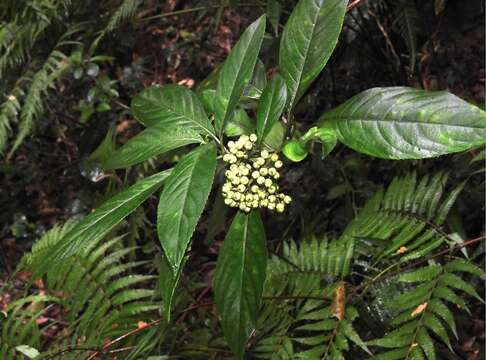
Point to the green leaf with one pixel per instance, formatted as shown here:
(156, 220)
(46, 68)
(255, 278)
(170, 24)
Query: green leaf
(182, 202)
(101, 221)
(454, 281)
(171, 105)
(168, 284)
(352, 335)
(308, 40)
(239, 278)
(294, 151)
(237, 71)
(206, 89)
(438, 308)
(435, 325)
(465, 266)
(426, 343)
(422, 274)
(154, 140)
(271, 106)
(406, 123)
(239, 123)
(275, 137)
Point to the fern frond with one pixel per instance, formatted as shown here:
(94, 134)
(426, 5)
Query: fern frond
(407, 25)
(19, 327)
(9, 112)
(405, 220)
(310, 329)
(304, 327)
(103, 296)
(321, 256)
(422, 312)
(125, 11)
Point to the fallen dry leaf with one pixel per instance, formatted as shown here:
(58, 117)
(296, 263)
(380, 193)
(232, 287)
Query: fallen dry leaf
(142, 324)
(402, 250)
(339, 302)
(419, 309)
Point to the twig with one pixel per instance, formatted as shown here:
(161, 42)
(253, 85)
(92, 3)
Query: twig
(191, 10)
(353, 5)
(123, 336)
(290, 297)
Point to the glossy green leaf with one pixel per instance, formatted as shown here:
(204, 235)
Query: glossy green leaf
(271, 106)
(154, 140)
(294, 151)
(182, 202)
(171, 105)
(101, 221)
(405, 123)
(239, 278)
(237, 71)
(308, 40)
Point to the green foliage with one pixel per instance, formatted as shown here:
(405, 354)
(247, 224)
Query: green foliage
(236, 72)
(271, 106)
(29, 74)
(306, 301)
(404, 222)
(308, 40)
(405, 123)
(407, 24)
(171, 105)
(239, 278)
(102, 293)
(423, 312)
(100, 222)
(154, 140)
(19, 328)
(314, 322)
(182, 202)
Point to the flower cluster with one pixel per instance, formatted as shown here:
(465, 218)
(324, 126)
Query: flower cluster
(251, 177)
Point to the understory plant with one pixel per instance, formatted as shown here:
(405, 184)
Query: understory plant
(378, 290)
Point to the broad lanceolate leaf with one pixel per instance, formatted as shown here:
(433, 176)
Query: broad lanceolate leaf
(239, 278)
(100, 222)
(237, 71)
(154, 140)
(308, 40)
(182, 201)
(405, 123)
(171, 105)
(271, 105)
